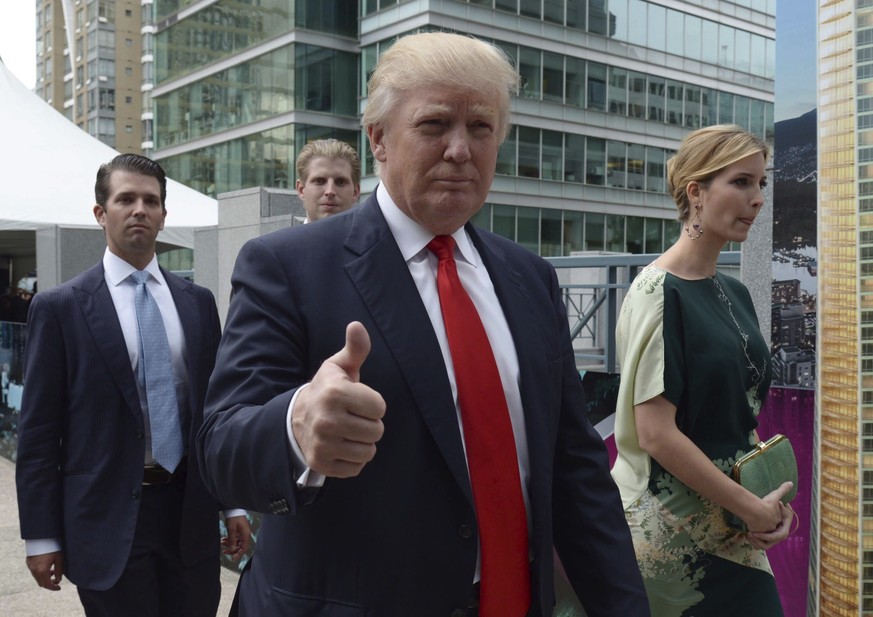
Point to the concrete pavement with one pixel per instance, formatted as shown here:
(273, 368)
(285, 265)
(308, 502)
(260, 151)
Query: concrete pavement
(19, 595)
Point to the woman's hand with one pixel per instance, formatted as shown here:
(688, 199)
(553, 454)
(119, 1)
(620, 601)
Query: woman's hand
(764, 514)
(768, 539)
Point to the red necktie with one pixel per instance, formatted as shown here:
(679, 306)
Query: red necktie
(491, 453)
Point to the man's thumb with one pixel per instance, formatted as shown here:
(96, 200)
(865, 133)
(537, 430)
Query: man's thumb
(357, 348)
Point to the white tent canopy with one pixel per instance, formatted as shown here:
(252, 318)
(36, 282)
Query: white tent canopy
(48, 166)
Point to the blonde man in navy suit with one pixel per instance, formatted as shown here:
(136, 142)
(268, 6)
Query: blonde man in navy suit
(136, 538)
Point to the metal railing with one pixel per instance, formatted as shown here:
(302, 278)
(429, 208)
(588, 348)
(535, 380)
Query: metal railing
(593, 287)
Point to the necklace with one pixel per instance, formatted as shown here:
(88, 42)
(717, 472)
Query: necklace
(756, 372)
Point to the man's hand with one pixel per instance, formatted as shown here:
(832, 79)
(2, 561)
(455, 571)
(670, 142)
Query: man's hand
(337, 420)
(239, 535)
(47, 569)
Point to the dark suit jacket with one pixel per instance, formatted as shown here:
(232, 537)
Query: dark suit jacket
(401, 538)
(81, 441)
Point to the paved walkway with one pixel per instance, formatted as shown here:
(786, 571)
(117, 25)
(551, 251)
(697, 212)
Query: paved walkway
(19, 595)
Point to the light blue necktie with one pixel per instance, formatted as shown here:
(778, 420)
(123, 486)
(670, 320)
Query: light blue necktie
(156, 373)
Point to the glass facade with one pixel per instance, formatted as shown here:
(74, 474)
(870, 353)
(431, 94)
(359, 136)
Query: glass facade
(301, 77)
(557, 233)
(576, 82)
(260, 159)
(845, 552)
(591, 129)
(650, 25)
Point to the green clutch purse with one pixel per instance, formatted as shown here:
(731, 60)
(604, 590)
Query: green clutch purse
(763, 470)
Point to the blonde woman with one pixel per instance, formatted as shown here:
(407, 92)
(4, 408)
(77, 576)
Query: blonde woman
(695, 371)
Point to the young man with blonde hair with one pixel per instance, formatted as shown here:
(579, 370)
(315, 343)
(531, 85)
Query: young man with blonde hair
(328, 178)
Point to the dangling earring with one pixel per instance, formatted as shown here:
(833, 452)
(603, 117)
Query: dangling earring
(697, 226)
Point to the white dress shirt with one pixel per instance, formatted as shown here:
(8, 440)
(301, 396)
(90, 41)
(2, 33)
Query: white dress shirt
(412, 240)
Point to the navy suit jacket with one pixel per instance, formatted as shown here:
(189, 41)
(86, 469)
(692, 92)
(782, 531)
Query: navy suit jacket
(401, 538)
(81, 441)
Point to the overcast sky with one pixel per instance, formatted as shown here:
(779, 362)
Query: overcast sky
(18, 38)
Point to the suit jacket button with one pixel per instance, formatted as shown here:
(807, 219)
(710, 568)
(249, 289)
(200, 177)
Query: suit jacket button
(465, 531)
(459, 612)
(134, 495)
(140, 434)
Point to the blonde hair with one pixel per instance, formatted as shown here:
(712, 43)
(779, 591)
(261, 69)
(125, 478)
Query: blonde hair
(330, 149)
(440, 59)
(703, 154)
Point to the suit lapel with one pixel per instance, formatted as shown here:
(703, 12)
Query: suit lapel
(99, 313)
(382, 278)
(180, 289)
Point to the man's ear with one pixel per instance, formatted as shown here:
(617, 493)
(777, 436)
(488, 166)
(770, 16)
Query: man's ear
(100, 214)
(377, 142)
(299, 186)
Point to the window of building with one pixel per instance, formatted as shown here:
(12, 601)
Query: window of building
(528, 228)
(107, 101)
(617, 91)
(595, 161)
(675, 96)
(529, 67)
(618, 19)
(106, 9)
(552, 158)
(636, 167)
(575, 81)
(506, 156)
(553, 77)
(636, 86)
(597, 17)
(531, 8)
(657, 98)
(615, 233)
(551, 243)
(595, 231)
(503, 221)
(528, 152)
(596, 86)
(574, 158)
(616, 164)
(106, 67)
(655, 169)
(553, 11)
(654, 236)
(574, 231)
(692, 107)
(635, 234)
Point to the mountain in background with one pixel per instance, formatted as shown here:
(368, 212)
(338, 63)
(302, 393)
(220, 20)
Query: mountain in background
(795, 199)
(796, 154)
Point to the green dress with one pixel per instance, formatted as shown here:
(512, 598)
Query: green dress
(698, 344)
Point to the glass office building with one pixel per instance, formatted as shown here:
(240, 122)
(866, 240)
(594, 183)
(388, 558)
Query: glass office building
(610, 87)
(842, 571)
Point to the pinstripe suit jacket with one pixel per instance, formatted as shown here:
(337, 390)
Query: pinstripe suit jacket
(81, 441)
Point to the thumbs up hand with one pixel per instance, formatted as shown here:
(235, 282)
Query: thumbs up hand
(337, 420)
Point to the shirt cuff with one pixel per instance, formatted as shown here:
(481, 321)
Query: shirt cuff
(234, 512)
(306, 478)
(41, 546)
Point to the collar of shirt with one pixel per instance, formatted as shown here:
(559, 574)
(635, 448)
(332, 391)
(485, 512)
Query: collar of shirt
(117, 270)
(412, 238)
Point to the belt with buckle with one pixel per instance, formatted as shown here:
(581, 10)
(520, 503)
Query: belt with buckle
(154, 475)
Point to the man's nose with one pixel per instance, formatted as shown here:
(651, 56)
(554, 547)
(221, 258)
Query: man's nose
(330, 187)
(458, 146)
(139, 207)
